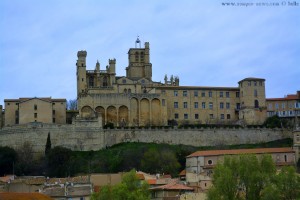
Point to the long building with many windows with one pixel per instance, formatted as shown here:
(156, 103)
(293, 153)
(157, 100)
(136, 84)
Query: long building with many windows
(137, 100)
(286, 107)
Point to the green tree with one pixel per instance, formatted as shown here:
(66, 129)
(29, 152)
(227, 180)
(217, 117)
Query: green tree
(59, 162)
(25, 158)
(288, 183)
(48, 144)
(130, 188)
(160, 161)
(242, 177)
(8, 157)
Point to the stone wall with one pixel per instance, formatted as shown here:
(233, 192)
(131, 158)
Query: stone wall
(89, 137)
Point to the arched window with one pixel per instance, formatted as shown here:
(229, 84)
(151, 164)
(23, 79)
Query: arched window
(129, 91)
(125, 90)
(256, 104)
(136, 56)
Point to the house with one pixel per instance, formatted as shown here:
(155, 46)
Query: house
(172, 190)
(200, 164)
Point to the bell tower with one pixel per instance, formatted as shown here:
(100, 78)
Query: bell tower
(139, 65)
(81, 72)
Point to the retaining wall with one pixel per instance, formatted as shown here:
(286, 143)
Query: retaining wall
(85, 138)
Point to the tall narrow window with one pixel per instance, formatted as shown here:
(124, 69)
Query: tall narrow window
(35, 107)
(105, 84)
(175, 93)
(203, 94)
(195, 93)
(256, 104)
(195, 104)
(136, 56)
(255, 92)
(210, 93)
(175, 104)
(91, 81)
(35, 115)
(221, 105)
(203, 105)
(184, 93)
(227, 105)
(221, 94)
(237, 94)
(210, 105)
(185, 105)
(142, 56)
(227, 94)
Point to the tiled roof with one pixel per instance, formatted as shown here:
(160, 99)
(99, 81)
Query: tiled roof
(182, 173)
(241, 151)
(172, 186)
(140, 176)
(151, 181)
(288, 97)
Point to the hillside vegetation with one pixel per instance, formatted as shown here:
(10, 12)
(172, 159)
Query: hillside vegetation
(148, 157)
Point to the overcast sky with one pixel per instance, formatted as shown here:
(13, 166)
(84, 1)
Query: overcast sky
(203, 42)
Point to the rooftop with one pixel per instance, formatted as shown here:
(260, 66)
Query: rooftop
(241, 151)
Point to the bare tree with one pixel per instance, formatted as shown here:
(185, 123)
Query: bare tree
(72, 104)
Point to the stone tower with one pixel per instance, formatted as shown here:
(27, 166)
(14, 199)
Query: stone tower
(139, 65)
(252, 100)
(81, 72)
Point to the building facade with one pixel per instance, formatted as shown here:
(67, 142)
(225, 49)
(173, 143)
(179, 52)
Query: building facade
(199, 165)
(286, 107)
(137, 100)
(26, 110)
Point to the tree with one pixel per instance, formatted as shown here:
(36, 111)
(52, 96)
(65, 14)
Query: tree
(8, 157)
(59, 162)
(250, 178)
(25, 158)
(131, 188)
(163, 161)
(48, 145)
(72, 104)
(288, 183)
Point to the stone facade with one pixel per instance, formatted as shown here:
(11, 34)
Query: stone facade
(137, 100)
(89, 136)
(26, 110)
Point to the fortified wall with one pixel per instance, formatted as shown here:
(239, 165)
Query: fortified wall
(86, 136)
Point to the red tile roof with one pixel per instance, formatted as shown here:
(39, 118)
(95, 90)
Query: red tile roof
(182, 173)
(140, 176)
(241, 151)
(288, 97)
(151, 181)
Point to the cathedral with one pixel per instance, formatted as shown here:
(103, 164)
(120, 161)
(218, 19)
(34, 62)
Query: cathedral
(137, 100)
